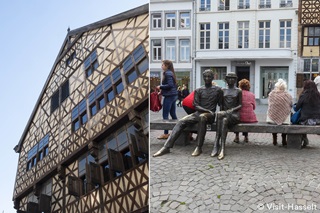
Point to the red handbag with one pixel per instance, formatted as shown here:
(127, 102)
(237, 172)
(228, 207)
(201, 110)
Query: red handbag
(155, 101)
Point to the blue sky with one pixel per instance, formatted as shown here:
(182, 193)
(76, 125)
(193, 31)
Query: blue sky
(32, 33)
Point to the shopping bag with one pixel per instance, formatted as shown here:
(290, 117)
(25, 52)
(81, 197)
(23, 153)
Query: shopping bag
(296, 117)
(155, 101)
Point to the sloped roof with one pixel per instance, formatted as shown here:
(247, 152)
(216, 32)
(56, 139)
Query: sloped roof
(77, 33)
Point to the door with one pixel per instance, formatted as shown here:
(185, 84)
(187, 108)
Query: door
(243, 73)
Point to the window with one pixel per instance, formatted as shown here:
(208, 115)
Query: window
(170, 20)
(38, 152)
(170, 49)
(122, 150)
(117, 80)
(205, 36)
(96, 99)
(224, 35)
(185, 20)
(70, 59)
(265, 4)
(79, 115)
(285, 34)
(156, 50)
(286, 3)
(91, 63)
(307, 67)
(184, 50)
(88, 176)
(264, 34)
(156, 20)
(205, 5)
(59, 96)
(224, 5)
(243, 34)
(107, 85)
(311, 36)
(244, 4)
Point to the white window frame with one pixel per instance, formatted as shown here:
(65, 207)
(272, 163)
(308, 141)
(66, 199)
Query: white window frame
(184, 22)
(224, 5)
(285, 34)
(156, 21)
(184, 50)
(264, 34)
(225, 38)
(243, 34)
(156, 50)
(205, 5)
(170, 49)
(286, 3)
(265, 4)
(206, 32)
(244, 4)
(170, 20)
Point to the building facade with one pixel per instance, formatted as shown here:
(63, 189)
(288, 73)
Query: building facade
(85, 147)
(308, 42)
(171, 33)
(256, 39)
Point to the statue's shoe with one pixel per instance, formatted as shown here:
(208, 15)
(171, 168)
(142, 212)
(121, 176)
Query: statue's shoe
(197, 151)
(162, 151)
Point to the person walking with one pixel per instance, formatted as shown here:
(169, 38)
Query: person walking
(169, 91)
(247, 114)
(279, 108)
(179, 96)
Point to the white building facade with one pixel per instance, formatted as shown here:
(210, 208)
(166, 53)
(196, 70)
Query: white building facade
(256, 39)
(171, 34)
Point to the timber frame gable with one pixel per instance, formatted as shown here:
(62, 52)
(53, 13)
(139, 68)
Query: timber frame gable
(97, 89)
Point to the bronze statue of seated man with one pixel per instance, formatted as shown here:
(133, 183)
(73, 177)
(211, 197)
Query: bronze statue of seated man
(206, 99)
(229, 114)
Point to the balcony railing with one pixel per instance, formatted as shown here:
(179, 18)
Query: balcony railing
(288, 4)
(222, 7)
(261, 6)
(207, 8)
(243, 6)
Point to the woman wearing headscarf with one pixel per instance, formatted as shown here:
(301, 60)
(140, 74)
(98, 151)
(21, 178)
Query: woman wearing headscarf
(279, 108)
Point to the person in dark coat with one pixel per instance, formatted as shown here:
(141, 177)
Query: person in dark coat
(309, 102)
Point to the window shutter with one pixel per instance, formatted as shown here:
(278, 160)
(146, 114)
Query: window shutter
(94, 170)
(45, 203)
(32, 207)
(116, 160)
(142, 143)
(134, 144)
(74, 186)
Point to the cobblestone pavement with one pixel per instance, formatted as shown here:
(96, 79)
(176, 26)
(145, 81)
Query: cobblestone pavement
(253, 177)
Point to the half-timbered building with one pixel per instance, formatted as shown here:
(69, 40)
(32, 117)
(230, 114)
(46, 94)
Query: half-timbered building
(309, 41)
(85, 146)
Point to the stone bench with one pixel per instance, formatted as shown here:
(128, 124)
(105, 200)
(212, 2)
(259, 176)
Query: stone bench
(294, 132)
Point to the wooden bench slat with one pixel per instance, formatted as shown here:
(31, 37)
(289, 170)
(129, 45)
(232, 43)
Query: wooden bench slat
(260, 127)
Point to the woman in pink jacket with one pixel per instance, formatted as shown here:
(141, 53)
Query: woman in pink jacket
(247, 114)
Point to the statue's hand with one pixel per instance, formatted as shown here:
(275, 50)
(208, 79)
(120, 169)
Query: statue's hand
(212, 113)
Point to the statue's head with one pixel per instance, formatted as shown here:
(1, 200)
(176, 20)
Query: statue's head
(208, 76)
(208, 71)
(231, 78)
(231, 75)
